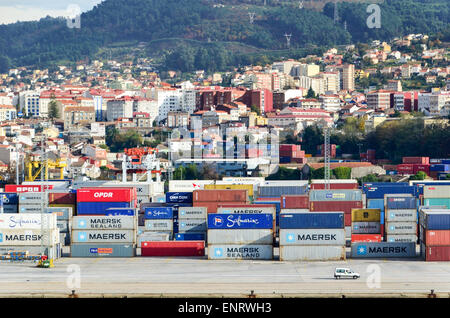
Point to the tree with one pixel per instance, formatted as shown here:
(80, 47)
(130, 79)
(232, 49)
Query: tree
(311, 93)
(53, 111)
(342, 172)
(255, 109)
(420, 175)
(312, 137)
(5, 64)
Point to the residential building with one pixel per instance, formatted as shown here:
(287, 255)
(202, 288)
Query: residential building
(78, 116)
(379, 100)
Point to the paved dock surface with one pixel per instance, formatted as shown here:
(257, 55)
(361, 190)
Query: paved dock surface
(178, 277)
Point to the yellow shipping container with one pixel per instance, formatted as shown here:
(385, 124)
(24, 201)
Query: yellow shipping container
(366, 215)
(248, 187)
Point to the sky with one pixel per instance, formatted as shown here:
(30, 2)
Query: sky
(27, 10)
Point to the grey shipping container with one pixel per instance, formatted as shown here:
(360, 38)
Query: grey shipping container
(103, 250)
(192, 225)
(277, 191)
(62, 213)
(401, 228)
(31, 198)
(293, 211)
(159, 225)
(30, 208)
(103, 236)
(101, 222)
(335, 195)
(240, 251)
(383, 250)
(366, 228)
(142, 199)
(64, 239)
(258, 237)
(154, 237)
(312, 253)
(192, 212)
(312, 237)
(409, 215)
(399, 238)
(348, 232)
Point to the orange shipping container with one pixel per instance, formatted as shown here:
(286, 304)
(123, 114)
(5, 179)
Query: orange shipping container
(436, 237)
(220, 196)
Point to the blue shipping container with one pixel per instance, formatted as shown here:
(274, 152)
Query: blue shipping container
(120, 211)
(384, 184)
(445, 161)
(190, 237)
(311, 220)
(179, 197)
(240, 221)
(441, 167)
(380, 191)
(99, 208)
(9, 198)
(437, 221)
(396, 203)
(158, 213)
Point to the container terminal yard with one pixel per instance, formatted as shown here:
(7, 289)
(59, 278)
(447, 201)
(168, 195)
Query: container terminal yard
(236, 237)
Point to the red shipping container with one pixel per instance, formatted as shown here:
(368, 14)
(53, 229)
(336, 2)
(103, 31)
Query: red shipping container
(26, 188)
(106, 195)
(294, 202)
(62, 198)
(418, 160)
(405, 169)
(424, 168)
(382, 230)
(437, 253)
(220, 196)
(335, 186)
(435, 237)
(366, 238)
(299, 160)
(173, 248)
(268, 199)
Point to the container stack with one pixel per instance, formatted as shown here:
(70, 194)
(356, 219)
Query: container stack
(435, 235)
(440, 170)
(401, 218)
(240, 236)
(412, 165)
(211, 199)
(292, 153)
(22, 233)
(312, 236)
(64, 222)
(436, 195)
(158, 221)
(275, 189)
(336, 200)
(31, 202)
(103, 236)
(191, 224)
(366, 225)
(96, 201)
(248, 187)
(9, 202)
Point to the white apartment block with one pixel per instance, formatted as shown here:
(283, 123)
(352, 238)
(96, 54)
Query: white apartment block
(29, 103)
(331, 103)
(331, 81)
(435, 104)
(7, 112)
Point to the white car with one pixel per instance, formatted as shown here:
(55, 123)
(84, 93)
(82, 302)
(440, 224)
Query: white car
(345, 273)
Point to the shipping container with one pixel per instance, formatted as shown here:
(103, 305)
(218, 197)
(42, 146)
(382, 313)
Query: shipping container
(437, 202)
(401, 228)
(9, 198)
(62, 198)
(190, 236)
(240, 221)
(64, 226)
(158, 212)
(400, 203)
(435, 253)
(179, 197)
(344, 206)
(440, 167)
(212, 207)
(10, 209)
(435, 191)
(99, 208)
(435, 219)
(240, 237)
(366, 215)
(367, 185)
(27, 237)
(153, 237)
(401, 215)
(383, 250)
(192, 225)
(62, 213)
(121, 212)
(295, 202)
(312, 237)
(366, 228)
(187, 185)
(247, 209)
(312, 253)
(159, 225)
(220, 196)
(31, 198)
(321, 220)
(103, 236)
(335, 195)
(103, 250)
(26, 221)
(366, 238)
(279, 190)
(104, 223)
(26, 188)
(35, 208)
(435, 237)
(240, 251)
(378, 192)
(192, 213)
(173, 248)
(106, 195)
(401, 238)
(418, 160)
(248, 187)
(338, 184)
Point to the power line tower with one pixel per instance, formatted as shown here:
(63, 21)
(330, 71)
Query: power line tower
(252, 17)
(327, 172)
(288, 40)
(336, 14)
(300, 5)
(345, 25)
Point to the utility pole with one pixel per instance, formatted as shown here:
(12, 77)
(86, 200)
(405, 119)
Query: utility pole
(336, 14)
(288, 40)
(327, 172)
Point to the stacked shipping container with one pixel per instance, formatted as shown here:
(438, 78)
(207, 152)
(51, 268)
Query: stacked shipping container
(401, 218)
(435, 234)
(96, 201)
(366, 225)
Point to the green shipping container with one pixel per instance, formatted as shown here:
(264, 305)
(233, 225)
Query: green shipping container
(437, 201)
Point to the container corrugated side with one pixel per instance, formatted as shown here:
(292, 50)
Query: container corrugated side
(366, 228)
(240, 251)
(192, 225)
(26, 237)
(401, 228)
(159, 225)
(319, 220)
(241, 237)
(103, 250)
(104, 236)
(435, 237)
(435, 191)
(192, 213)
(312, 237)
(435, 253)
(173, 248)
(366, 215)
(436, 220)
(383, 250)
(104, 222)
(401, 238)
(312, 253)
(437, 202)
(335, 195)
(400, 203)
(401, 215)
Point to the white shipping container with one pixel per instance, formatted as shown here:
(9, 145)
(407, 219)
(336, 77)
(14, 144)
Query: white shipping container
(159, 225)
(258, 237)
(293, 211)
(401, 238)
(409, 215)
(27, 221)
(436, 191)
(312, 237)
(187, 185)
(30, 208)
(154, 237)
(31, 197)
(312, 253)
(187, 212)
(239, 251)
(104, 222)
(103, 236)
(401, 228)
(192, 225)
(27, 237)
